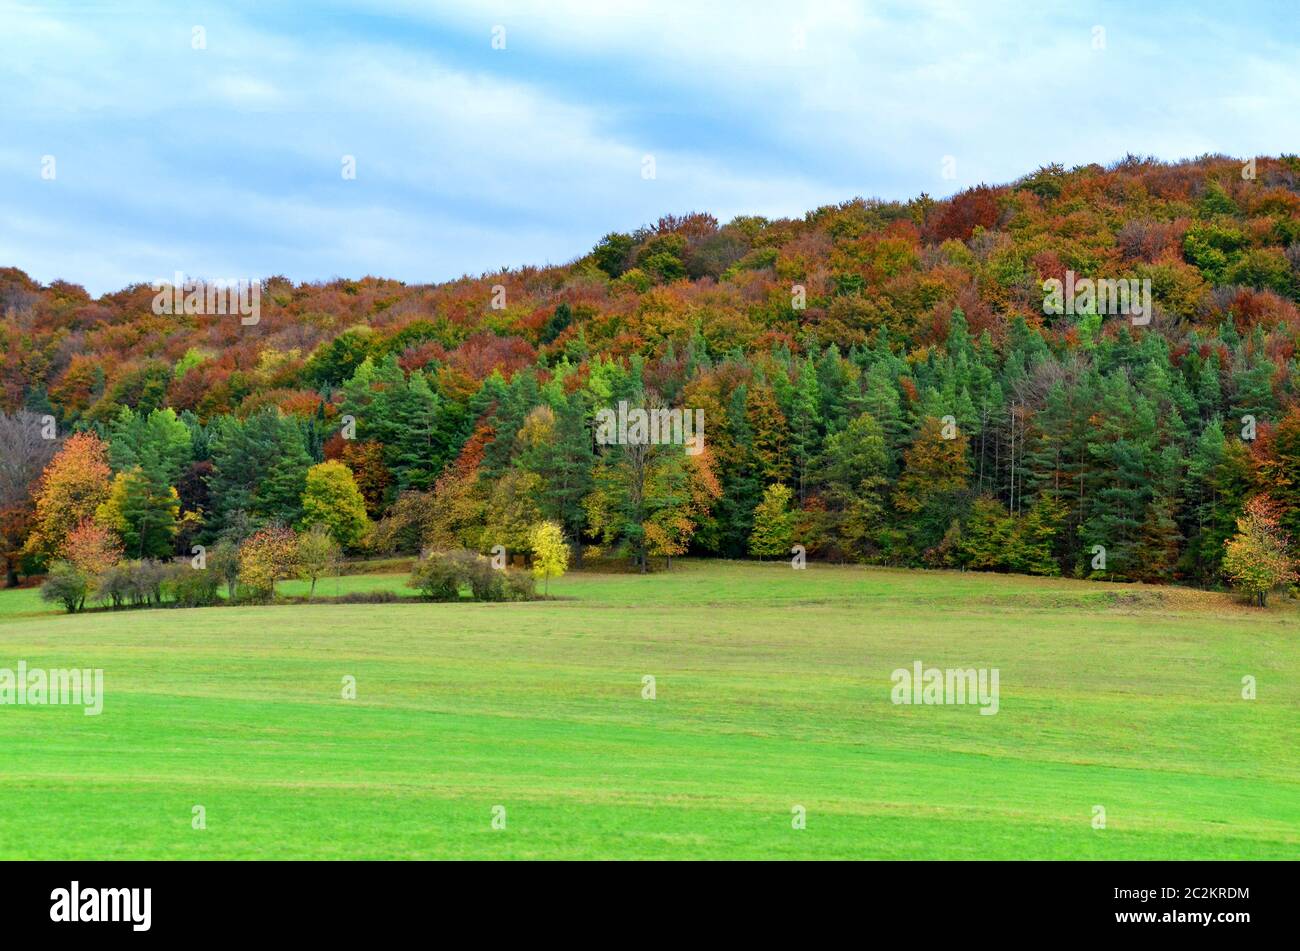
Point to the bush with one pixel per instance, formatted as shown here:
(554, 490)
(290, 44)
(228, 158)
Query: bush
(66, 585)
(195, 588)
(520, 585)
(437, 578)
(485, 582)
(145, 581)
(369, 597)
(114, 585)
(440, 576)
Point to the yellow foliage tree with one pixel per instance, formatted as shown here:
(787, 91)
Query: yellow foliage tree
(550, 552)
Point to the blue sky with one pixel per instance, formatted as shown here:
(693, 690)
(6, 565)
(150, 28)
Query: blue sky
(226, 161)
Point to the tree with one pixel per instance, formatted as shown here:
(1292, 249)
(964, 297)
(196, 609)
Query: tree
(681, 495)
(646, 496)
(986, 539)
(331, 499)
(268, 556)
(556, 445)
(259, 467)
(929, 492)
(66, 585)
(143, 512)
(1033, 546)
(366, 460)
(24, 453)
(613, 253)
(805, 423)
(223, 560)
(550, 553)
(91, 548)
(513, 509)
(318, 555)
(157, 443)
(73, 486)
(1280, 471)
(455, 517)
(852, 474)
(1257, 560)
(773, 531)
(768, 425)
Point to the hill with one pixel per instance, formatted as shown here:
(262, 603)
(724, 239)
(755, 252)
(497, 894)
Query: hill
(892, 364)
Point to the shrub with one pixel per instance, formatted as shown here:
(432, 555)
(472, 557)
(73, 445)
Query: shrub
(195, 588)
(437, 578)
(485, 582)
(369, 597)
(66, 585)
(520, 585)
(440, 576)
(114, 585)
(146, 579)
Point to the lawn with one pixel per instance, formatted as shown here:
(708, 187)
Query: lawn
(772, 692)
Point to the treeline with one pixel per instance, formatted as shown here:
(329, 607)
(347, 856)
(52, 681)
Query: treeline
(879, 384)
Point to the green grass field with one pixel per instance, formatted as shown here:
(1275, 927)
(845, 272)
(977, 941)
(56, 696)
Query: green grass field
(772, 691)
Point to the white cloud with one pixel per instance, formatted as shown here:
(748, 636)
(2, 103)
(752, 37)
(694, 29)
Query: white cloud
(227, 160)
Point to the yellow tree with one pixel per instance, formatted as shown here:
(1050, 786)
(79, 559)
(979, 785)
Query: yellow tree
(550, 552)
(265, 558)
(1256, 559)
(73, 486)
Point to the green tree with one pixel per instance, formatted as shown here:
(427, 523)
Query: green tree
(259, 467)
(773, 533)
(852, 477)
(144, 512)
(931, 490)
(332, 500)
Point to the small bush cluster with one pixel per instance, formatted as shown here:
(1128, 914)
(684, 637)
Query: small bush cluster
(192, 588)
(442, 575)
(136, 584)
(368, 597)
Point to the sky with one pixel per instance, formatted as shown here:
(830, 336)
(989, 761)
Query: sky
(138, 140)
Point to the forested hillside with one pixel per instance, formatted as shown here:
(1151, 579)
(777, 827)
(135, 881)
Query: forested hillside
(825, 353)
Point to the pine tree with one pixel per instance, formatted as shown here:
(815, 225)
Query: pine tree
(773, 532)
(930, 493)
(852, 478)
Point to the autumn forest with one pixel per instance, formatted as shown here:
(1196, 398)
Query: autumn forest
(879, 383)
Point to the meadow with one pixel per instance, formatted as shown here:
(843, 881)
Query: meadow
(771, 692)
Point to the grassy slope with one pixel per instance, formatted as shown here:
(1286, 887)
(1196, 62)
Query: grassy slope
(773, 690)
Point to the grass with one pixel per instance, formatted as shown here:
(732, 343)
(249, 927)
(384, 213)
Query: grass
(772, 691)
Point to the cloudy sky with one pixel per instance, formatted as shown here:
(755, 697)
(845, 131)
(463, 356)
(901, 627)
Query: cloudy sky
(140, 139)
